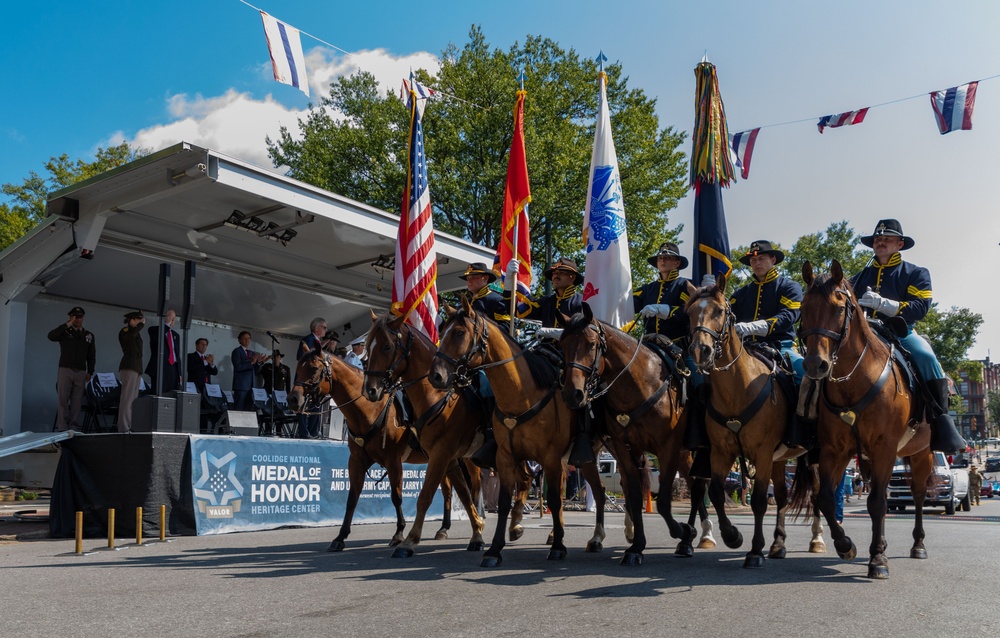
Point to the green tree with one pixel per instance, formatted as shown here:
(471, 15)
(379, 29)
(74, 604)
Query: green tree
(27, 205)
(361, 153)
(993, 410)
(839, 242)
(951, 334)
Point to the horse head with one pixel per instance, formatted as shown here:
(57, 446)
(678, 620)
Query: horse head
(711, 322)
(388, 347)
(463, 344)
(312, 372)
(584, 345)
(827, 308)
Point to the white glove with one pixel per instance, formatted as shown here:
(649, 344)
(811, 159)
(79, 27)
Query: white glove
(757, 328)
(658, 310)
(510, 279)
(549, 333)
(879, 304)
(707, 280)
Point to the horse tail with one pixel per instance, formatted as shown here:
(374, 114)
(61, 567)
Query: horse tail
(802, 490)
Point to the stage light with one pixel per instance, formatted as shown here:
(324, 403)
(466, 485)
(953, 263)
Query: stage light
(384, 263)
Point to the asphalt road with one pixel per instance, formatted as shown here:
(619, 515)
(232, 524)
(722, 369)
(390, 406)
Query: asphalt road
(283, 583)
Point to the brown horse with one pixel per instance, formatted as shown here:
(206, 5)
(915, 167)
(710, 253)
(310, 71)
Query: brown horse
(447, 426)
(746, 417)
(377, 435)
(642, 397)
(867, 408)
(535, 424)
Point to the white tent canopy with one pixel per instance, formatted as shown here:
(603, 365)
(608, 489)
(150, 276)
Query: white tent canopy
(104, 239)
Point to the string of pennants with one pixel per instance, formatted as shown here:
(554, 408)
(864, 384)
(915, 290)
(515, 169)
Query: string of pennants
(952, 107)
(952, 112)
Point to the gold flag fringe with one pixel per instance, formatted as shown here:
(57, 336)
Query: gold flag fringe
(710, 161)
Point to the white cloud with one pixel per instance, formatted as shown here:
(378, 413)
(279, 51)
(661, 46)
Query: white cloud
(236, 123)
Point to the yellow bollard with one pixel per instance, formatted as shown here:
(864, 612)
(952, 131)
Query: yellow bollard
(138, 526)
(163, 522)
(111, 528)
(79, 532)
(649, 502)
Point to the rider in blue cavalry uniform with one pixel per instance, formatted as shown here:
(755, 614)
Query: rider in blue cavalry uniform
(767, 310)
(661, 304)
(566, 300)
(891, 287)
(488, 303)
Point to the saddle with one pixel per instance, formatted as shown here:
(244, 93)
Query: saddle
(891, 332)
(781, 367)
(406, 415)
(672, 356)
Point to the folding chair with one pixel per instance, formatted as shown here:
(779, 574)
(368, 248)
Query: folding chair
(213, 408)
(103, 395)
(262, 405)
(285, 421)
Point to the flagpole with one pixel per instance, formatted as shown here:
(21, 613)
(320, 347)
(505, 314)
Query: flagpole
(517, 230)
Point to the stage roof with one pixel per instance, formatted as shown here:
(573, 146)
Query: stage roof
(105, 238)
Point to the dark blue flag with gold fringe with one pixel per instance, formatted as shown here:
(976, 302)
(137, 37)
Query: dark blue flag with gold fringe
(711, 170)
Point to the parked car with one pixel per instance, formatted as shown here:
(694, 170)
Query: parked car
(992, 464)
(986, 490)
(952, 487)
(607, 466)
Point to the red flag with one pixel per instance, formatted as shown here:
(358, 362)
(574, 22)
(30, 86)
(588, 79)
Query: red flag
(516, 196)
(414, 282)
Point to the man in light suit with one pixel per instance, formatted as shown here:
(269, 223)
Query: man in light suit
(246, 365)
(201, 366)
(171, 343)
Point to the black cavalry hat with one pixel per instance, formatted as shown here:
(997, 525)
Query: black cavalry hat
(135, 314)
(669, 249)
(888, 227)
(76, 311)
(762, 247)
(479, 268)
(564, 263)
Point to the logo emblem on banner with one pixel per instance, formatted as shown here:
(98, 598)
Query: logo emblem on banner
(607, 214)
(218, 492)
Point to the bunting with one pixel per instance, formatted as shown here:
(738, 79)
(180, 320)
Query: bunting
(953, 107)
(414, 282)
(842, 119)
(742, 144)
(285, 47)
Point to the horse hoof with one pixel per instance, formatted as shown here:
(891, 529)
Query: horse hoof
(734, 539)
(707, 543)
(594, 547)
(551, 538)
(684, 550)
(850, 554)
(515, 533)
(491, 561)
(776, 552)
(918, 552)
(556, 554)
(402, 552)
(476, 546)
(441, 536)
(880, 572)
(631, 559)
(753, 561)
(817, 547)
(336, 546)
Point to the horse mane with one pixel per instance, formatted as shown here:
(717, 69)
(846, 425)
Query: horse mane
(543, 372)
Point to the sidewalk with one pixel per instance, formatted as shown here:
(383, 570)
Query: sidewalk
(24, 520)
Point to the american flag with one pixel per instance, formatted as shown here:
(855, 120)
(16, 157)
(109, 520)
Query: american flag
(414, 283)
(953, 107)
(842, 119)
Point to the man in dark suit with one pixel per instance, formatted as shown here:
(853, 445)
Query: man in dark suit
(246, 365)
(201, 366)
(171, 343)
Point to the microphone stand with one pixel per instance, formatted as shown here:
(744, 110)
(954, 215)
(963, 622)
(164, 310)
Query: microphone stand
(274, 349)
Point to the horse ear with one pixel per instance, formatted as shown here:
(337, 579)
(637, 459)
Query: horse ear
(466, 306)
(837, 272)
(720, 283)
(588, 314)
(692, 289)
(374, 316)
(807, 273)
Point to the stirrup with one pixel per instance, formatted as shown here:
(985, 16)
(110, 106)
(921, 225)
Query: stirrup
(486, 456)
(583, 450)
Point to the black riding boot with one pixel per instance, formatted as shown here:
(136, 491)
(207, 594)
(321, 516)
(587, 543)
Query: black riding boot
(583, 446)
(944, 435)
(486, 456)
(701, 466)
(801, 432)
(695, 434)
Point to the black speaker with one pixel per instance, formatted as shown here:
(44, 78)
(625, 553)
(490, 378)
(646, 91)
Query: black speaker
(163, 299)
(189, 273)
(154, 414)
(188, 412)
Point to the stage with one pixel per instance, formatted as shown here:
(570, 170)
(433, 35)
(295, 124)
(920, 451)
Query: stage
(216, 484)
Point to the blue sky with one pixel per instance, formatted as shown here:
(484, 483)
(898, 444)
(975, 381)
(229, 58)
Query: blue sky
(93, 74)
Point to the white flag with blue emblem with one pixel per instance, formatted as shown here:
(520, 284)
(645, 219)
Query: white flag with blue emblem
(608, 272)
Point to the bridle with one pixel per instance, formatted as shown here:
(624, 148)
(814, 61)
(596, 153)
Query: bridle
(838, 338)
(719, 338)
(388, 383)
(593, 372)
(464, 370)
(311, 389)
